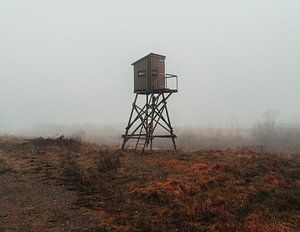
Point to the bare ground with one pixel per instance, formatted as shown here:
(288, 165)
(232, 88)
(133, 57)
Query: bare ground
(32, 200)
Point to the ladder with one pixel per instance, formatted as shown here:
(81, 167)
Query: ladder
(142, 141)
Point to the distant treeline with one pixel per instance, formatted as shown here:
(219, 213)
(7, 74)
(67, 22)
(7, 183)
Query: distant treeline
(280, 137)
(266, 134)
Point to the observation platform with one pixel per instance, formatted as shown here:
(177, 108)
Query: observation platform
(149, 91)
(161, 90)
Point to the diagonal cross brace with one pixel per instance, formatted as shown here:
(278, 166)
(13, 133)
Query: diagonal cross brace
(147, 118)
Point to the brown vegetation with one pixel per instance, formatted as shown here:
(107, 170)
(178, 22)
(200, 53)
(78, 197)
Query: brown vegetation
(213, 190)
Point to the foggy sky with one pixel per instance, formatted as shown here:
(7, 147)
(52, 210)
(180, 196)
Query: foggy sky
(68, 62)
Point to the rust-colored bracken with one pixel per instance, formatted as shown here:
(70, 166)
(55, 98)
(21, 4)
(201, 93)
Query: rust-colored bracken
(105, 189)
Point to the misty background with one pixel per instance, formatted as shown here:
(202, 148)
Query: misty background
(65, 66)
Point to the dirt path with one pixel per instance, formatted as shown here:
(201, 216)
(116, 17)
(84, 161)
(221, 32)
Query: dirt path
(33, 201)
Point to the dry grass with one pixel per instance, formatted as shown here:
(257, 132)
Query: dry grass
(210, 190)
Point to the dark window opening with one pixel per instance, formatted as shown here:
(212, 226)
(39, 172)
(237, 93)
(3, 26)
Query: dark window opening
(154, 72)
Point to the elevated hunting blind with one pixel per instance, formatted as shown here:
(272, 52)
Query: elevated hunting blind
(150, 86)
(149, 73)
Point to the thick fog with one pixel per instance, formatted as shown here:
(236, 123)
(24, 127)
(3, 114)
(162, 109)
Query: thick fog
(68, 62)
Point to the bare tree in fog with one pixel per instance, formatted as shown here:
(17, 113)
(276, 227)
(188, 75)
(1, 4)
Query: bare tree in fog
(276, 136)
(264, 131)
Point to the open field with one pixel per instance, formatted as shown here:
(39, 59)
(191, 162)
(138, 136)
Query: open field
(68, 185)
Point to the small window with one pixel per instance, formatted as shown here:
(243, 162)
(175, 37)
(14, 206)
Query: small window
(142, 73)
(154, 72)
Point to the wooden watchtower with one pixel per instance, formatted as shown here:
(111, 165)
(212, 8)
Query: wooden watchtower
(150, 119)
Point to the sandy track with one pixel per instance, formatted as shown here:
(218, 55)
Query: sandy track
(29, 203)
